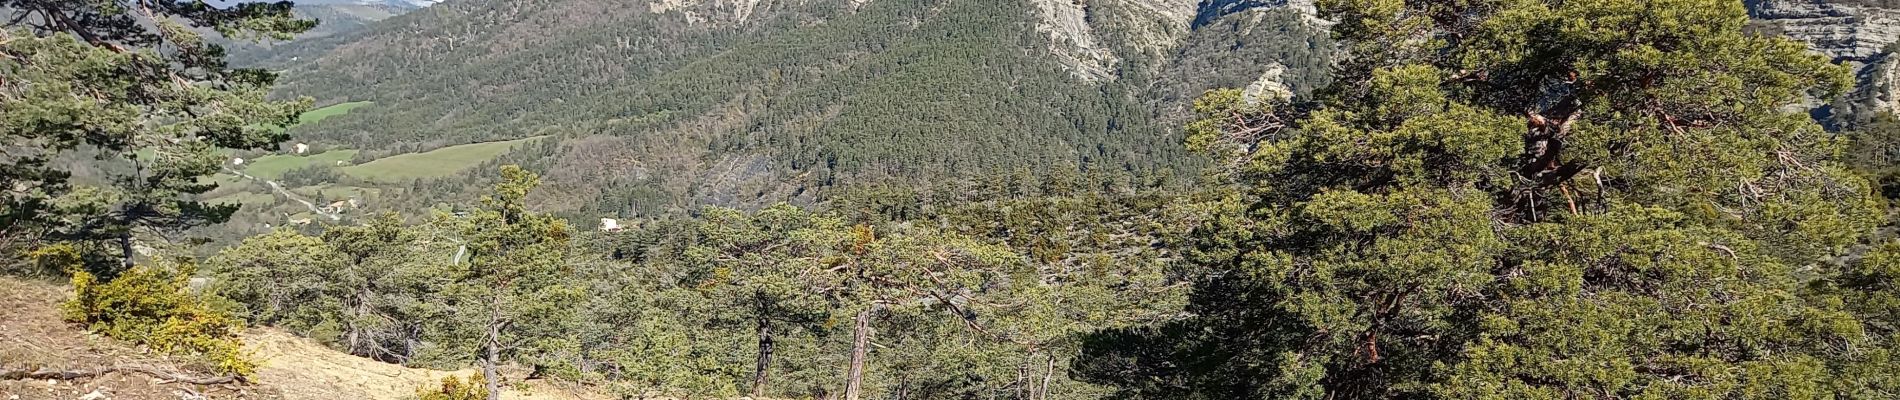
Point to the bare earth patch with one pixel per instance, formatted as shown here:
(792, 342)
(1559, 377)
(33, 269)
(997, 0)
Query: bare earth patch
(33, 337)
(306, 370)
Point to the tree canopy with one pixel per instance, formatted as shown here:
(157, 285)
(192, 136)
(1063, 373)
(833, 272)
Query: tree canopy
(1527, 199)
(135, 85)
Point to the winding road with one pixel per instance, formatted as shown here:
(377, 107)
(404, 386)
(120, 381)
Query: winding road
(288, 194)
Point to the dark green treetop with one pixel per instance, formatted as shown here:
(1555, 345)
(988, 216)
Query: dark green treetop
(515, 294)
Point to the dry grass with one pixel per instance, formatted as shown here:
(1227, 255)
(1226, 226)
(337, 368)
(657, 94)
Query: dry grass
(304, 369)
(292, 368)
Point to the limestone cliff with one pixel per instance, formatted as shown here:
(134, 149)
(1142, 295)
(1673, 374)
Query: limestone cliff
(1859, 33)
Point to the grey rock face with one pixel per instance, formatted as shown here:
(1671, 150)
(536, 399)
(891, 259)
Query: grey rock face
(1859, 33)
(1849, 30)
(1268, 88)
(1882, 87)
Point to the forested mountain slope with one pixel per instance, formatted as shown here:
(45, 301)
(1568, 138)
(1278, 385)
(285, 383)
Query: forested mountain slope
(669, 104)
(660, 106)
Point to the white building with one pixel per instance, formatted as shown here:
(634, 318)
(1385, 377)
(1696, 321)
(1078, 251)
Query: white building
(237, 161)
(609, 224)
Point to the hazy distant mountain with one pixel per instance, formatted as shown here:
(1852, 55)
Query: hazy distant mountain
(336, 18)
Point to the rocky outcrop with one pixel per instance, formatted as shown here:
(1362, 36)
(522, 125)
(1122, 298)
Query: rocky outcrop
(1211, 10)
(708, 11)
(1268, 88)
(1072, 40)
(1858, 33)
(1093, 38)
(1080, 31)
(1882, 87)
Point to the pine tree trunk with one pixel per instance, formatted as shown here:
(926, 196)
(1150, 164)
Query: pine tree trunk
(1025, 387)
(125, 249)
(356, 322)
(125, 238)
(759, 372)
(861, 339)
(492, 355)
(352, 338)
(1048, 378)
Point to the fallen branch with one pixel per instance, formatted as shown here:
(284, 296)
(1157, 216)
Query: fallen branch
(1724, 249)
(45, 373)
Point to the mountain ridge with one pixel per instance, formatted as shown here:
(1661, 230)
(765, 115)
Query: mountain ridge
(338, 20)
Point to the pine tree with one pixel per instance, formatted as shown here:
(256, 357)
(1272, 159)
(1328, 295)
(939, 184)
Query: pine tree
(282, 278)
(376, 260)
(365, 289)
(1524, 199)
(769, 268)
(516, 293)
(133, 82)
(936, 280)
(1876, 143)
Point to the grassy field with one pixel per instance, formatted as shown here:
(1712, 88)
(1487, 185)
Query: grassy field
(223, 179)
(436, 163)
(320, 114)
(273, 166)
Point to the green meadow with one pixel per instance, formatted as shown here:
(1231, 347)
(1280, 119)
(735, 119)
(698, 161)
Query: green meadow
(435, 163)
(274, 166)
(325, 112)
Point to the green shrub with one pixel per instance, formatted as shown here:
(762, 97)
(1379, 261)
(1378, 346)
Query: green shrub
(150, 305)
(45, 261)
(455, 389)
